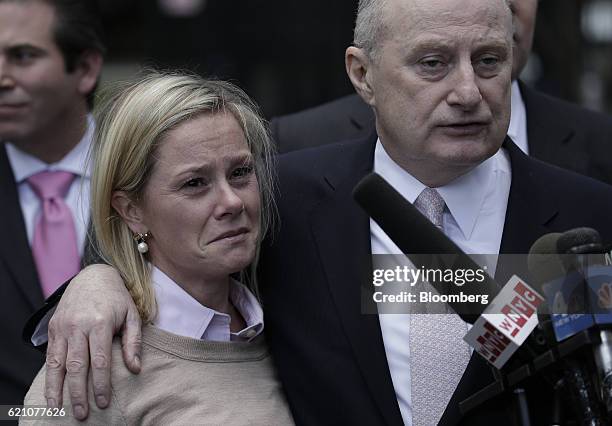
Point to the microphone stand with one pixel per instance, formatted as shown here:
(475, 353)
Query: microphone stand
(522, 408)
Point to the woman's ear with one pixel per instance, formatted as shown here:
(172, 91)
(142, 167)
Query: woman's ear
(130, 212)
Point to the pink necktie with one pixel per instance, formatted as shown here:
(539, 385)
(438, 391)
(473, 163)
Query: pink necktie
(54, 245)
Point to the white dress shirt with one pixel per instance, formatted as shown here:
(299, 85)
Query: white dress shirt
(179, 313)
(518, 119)
(473, 218)
(25, 165)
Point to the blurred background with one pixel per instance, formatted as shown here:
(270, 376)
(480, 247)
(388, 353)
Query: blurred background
(289, 54)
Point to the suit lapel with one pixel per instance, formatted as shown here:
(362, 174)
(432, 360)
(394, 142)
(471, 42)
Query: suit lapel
(530, 206)
(341, 232)
(14, 247)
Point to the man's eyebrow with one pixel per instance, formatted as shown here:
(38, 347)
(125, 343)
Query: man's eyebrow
(431, 44)
(492, 44)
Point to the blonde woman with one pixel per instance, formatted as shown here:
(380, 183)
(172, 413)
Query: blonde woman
(181, 197)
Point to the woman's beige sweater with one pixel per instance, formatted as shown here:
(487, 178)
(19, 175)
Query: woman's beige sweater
(185, 381)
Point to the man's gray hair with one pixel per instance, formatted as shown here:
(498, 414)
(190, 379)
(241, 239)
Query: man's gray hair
(369, 25)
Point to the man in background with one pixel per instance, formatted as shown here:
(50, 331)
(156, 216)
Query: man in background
(545, 127)
(50, 59)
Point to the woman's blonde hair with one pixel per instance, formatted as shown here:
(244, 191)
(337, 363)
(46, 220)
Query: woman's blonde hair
(130, 123)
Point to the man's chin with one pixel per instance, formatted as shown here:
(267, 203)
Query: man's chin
(467, 153)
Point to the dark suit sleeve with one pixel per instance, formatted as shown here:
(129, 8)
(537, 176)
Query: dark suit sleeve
(33, 321)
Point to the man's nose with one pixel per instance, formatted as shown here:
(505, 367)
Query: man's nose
(465, 92)
(6, 79)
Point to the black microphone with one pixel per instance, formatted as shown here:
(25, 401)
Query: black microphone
(580, 241)
(543, 261)
(544, 265)
(421, 241)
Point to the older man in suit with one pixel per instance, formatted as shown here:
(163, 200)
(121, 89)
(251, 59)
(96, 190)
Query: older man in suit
(438, 77)
(50, 59)
(545, 127)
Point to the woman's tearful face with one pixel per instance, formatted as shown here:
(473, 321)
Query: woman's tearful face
(201, 203)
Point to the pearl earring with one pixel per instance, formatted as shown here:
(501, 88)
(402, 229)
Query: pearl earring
(141, 241)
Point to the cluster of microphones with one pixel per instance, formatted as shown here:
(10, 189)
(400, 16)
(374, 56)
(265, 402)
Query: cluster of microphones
(554, 324)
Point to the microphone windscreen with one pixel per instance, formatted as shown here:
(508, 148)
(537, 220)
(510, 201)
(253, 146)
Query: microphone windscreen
(579, 240)
(543, 262)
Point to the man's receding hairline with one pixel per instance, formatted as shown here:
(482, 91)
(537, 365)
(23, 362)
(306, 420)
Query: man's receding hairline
(408, 4)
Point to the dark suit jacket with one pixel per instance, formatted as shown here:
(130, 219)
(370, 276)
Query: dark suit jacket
(20, 293)
(330, 357)
(559, 132)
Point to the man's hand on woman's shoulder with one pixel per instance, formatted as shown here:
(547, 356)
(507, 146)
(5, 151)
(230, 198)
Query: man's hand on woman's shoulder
(95, 306)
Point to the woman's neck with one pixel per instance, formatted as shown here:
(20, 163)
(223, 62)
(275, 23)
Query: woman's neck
(214, 293)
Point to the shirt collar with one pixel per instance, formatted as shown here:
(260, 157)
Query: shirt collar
(464, 196)
(25, 165)
(247, 304)
(179, 313)
(517, 130)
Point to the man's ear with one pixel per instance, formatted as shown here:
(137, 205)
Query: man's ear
(357, 65)
(129, 211)
(88, 69)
